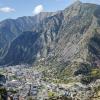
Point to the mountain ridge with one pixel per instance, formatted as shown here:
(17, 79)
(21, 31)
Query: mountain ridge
(64, 36)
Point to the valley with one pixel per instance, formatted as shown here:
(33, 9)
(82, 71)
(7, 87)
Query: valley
(52, 55)
(25, 83)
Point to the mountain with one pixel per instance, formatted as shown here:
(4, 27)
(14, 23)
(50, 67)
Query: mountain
(25, 47)
(12, 28)
(65, 40)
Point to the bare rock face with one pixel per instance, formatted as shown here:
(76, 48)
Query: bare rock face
(12, 28)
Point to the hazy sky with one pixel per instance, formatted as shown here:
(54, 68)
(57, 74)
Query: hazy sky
(17, 8)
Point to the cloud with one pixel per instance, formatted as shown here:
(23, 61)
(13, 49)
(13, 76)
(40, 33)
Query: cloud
(7, 9)
(38, 9)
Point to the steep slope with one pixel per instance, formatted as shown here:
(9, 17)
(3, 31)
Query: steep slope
(12, 28)
(23, 49)
(74, 30)
(61, 38)
(45, 41)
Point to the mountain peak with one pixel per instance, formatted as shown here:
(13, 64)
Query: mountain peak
(77, 2)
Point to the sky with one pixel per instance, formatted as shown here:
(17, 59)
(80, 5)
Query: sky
(18, 8)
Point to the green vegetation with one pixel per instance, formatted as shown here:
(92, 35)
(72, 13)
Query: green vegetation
(97, 89)
(12, 91)
(59, 98)
(86, 79)
(30, 98)
(2, 71)
(92, 76)
(84, 69)
(3, 93)
(51, 94)
(95, 73)
(14, 77)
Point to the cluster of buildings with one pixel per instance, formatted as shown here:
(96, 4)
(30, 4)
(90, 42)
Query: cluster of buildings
(24, 82)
